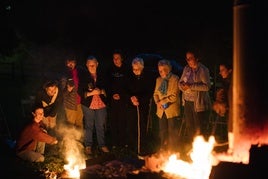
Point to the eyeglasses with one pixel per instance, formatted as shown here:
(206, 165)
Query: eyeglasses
(136, 69)
(190, 58)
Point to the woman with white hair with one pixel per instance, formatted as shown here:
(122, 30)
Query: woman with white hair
(140, 90)
(167, 99)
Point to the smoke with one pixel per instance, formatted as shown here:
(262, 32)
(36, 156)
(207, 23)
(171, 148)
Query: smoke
(71, 147)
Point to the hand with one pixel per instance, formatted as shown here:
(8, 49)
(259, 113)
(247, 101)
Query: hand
(116, 96)
(220, 108)
(55, 142)
(95, 91)
(70, 88)
(159, 105)
(98, 91)
(134, 100)
(185, 86)
(135, 103)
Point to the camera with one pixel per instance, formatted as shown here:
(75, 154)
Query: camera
(90, 87)
(165, 106)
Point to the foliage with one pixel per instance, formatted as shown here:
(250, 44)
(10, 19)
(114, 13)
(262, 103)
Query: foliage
(18, 54)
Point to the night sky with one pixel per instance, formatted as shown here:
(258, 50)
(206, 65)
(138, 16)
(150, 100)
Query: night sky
(134, 26)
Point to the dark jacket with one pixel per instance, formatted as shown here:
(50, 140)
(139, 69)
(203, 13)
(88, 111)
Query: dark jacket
(117, 81)
(87, 84)
(52, 108)
(142, 87)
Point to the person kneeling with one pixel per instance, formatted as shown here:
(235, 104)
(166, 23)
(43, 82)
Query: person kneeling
(31, 143)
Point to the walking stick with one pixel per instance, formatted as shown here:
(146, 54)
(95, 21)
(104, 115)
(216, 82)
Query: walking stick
(139, 131)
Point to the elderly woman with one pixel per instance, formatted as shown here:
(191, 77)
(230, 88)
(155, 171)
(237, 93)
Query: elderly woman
(139, 91)
(167, 99)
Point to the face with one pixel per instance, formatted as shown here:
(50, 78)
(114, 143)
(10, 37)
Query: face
(163, 71)
(117, 59)
(136, 69)
(70, 64)
(38, 115)
(92, 66)
(191, 60)
(51, 91)
(224, 72)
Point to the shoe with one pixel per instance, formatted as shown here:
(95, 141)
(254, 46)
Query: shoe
(105, 149)
(88, 151)
(40, 159)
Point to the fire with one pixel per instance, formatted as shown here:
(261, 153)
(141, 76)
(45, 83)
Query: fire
(72, 151)
(199, 168)
(72, 169)
(202, 161)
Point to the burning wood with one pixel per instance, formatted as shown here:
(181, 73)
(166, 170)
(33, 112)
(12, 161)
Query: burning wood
(49, 174)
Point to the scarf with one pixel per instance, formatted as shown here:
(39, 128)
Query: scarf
(164, 85)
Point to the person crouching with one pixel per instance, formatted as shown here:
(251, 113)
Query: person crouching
(31, 143)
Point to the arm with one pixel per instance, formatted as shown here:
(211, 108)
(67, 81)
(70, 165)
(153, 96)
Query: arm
(203, 81)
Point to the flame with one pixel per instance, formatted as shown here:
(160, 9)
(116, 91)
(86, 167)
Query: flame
(73, 169)
(202, 161)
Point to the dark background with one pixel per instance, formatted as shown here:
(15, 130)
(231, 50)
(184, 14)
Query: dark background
(98, 27)
(37, 35)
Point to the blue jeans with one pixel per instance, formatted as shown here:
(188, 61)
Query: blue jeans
(94, 118)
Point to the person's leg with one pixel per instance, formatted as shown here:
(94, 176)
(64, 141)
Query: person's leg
(203, 122)
(172, 134)
(100, 124)
(52, 122)
(40, 147)
(70, 116)
(89, 117)
(31, 156)
(79, 117)
(163, 131)
(45, 121)
(189, 115)
(114, 122)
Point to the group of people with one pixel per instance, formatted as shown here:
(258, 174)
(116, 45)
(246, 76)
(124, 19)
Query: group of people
(120, 99)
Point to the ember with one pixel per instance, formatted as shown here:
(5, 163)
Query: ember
(102, 167)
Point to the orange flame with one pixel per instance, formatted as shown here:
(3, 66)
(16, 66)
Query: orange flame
(202, 161)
